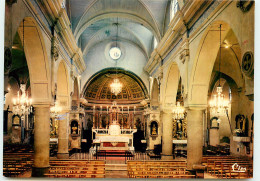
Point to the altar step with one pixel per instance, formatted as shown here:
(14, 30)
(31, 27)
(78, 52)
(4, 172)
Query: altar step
(116, 167)
(116, 171)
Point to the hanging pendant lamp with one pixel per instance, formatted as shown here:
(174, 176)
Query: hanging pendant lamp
(116, 86)
(218, 105)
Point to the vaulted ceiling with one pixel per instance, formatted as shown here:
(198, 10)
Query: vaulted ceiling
(140, 21)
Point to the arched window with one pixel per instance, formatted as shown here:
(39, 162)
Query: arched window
(174, 8)
(154, 43)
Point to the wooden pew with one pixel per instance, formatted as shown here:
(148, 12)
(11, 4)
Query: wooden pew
(158, 169)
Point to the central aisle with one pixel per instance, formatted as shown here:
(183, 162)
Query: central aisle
(116, 171)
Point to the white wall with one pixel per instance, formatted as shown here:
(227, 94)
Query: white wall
(132, 59)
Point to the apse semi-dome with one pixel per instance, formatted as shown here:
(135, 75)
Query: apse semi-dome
(97, 89)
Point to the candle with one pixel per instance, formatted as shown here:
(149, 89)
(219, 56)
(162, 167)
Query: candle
(101, 109)
(107, 109)
(14, 101)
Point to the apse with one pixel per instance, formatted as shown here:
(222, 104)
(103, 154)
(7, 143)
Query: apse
(97, 89)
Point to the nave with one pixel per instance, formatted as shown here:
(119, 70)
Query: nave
(129, 89)
(18, 161)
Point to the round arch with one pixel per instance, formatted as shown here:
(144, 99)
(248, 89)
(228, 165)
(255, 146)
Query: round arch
(171, 83)
(204, 63)
(155, 93)
(37, 60)
(63, 85)
(154, 30)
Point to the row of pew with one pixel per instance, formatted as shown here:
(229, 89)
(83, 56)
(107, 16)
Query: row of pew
(228, 166)
(158, 169)
(17, 148)
(69, 168)
(15, 164)
(216, 150)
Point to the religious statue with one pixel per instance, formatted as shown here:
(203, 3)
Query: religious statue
(179, 125)
(74, 129)
(154, 130)
(242, 124)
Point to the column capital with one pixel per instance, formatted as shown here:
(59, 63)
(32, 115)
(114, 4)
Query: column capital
(47, 104)
(167, 111)
(167, 108)
(197, 107)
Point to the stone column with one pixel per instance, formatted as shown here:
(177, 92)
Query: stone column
(194, 137)
(63, 141)
(41, 140)
(214, 136)
(167, 135)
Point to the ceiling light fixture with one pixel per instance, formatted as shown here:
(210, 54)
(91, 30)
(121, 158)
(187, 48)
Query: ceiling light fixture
(116, 86)
(178, 111)
(218, 105)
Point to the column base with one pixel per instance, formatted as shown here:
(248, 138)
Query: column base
(198, 170)
(39, 172)
(63, 155)
(167, 157)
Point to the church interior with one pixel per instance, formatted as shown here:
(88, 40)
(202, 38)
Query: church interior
(128, 89)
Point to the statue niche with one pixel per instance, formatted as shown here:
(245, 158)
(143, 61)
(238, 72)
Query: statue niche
(180, 129)
(241, 125)
(74, 127)
(154, 128)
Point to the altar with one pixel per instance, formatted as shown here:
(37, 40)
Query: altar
(114, 138)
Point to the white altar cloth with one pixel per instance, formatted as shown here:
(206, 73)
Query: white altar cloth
(113, 139)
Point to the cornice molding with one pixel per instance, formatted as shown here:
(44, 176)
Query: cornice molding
(60, 20)
(190, 13)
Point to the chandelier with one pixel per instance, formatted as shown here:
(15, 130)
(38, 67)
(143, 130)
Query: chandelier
(178, 112)
(22, 105)
(218, 105)
(116, 87)
(55, 110)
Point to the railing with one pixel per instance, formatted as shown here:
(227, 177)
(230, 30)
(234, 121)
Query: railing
(105, 155)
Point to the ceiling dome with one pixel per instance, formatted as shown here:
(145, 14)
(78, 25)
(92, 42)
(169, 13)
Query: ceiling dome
(97, 89)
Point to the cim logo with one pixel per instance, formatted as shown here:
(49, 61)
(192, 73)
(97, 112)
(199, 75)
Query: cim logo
(237, 168)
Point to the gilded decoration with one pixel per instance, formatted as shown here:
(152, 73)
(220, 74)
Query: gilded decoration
(99, 89)
(180, 129)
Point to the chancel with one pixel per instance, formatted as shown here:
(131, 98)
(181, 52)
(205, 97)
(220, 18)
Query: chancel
(129, 89)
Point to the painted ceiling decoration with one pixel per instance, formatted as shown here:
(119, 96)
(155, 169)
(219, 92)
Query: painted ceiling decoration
(97, 89)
